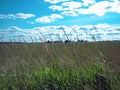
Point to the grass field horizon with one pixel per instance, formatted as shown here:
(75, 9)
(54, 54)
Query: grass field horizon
(59, 45)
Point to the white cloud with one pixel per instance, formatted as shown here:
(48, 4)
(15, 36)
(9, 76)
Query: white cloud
(117, 1)
(56, 16)
(88, 2)
(17, 15)
(56, 7)
(103, 25)
(92, 7)
(9, 16)
(103, 30)
(52, 1)
(115, 7)
(72, 5)
(49, 19)
(66, 6)
(69, 13)
(104, 7)
(14, 28)
(100, 8)
(55, 1)
(24, 16)
(44, 19)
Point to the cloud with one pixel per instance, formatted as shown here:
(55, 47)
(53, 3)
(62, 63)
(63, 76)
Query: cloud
(56, 7)
(72, 5)
(115, 7)
(85, 32)
(55, 1)
(104, 7)
(16, 16)
(117, 1)
(87, 7)
(24, 16)
(88, 2)
(9, 16)
(14, 28)
(49, 19)
(56, 16)
(99, 9)
(44, 19)
(66, 6)
(69, 13)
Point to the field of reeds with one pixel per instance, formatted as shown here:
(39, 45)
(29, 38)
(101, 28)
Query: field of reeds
(60, 66)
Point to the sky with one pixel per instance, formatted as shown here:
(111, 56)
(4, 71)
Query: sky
(92, 20)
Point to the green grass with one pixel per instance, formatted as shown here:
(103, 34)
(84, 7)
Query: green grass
(92, 77)
(60, 66)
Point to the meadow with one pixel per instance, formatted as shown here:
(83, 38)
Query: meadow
(60, 66)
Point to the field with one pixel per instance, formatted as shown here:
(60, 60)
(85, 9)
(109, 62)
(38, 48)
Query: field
(60, 66)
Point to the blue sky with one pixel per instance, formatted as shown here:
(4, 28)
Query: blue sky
(24, 19)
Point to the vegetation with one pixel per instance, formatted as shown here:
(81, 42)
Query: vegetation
(60, 66)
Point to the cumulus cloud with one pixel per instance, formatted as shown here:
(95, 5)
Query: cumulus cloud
(17, 15)
(99, 8)
(86, 32)
(49, 19)
(87, 7)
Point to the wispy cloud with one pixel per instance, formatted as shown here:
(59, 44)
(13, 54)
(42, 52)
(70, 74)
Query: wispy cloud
(16, 16)
(49, 19)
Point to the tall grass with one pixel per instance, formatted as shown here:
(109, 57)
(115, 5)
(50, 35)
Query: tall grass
(59, 66)
(92, 77)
